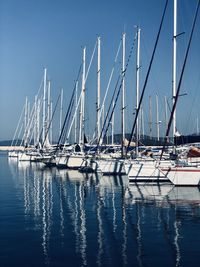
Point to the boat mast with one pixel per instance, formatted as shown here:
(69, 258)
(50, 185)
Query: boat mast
(51, 126)
(174, 65)
(76, 107)
(166, 115)
(82, 108)
(123, 89)
(157, 119)
(98, 86)
(26, 121)
(49, 108)
(44, 108)
(113, 122)
(137, 86)
(38, 120)
(61, 110)
(35, 121)
(150, 117)
(180, 80)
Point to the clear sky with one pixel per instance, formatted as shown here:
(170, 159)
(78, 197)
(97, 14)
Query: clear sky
(46, 33)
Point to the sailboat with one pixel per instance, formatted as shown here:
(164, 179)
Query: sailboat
(113, 163)
(143, 168)
(178, 172)
(182, 174)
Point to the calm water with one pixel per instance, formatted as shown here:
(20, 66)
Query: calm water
(51, 217)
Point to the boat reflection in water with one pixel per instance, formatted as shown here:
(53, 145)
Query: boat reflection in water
(91, 220)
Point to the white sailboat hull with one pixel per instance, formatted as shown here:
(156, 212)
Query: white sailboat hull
(61, 161)
(48, 160)
(13, 154)
(183, 176)
(73, 161)
(111, 166)
(145, 170)
(26, 157)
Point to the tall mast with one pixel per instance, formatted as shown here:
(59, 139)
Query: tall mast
(51, 128)
(38, 120)
(35, 121)
(61, 110)
(98, 85)
(123, 94)
(157, 119)
(26, 120)
(174, 65)
(113, 122)
(76, 106)
(49, 107)
(150, 117)
(44, 106)
(137, 84)
(82, 109)
(123, 84)
(166, 115)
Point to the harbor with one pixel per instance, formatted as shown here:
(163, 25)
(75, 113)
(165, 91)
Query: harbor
(52, 217)
(99, 136)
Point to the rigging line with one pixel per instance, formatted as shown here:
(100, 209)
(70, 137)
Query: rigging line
(109, 82)
(31, 127)
(48, 128)
(81, 94)
(26, 136)
(18, 125)
(65, 120)
(117, 96)
(40, 106)
(73, 93)
(75, 114)
(111, 75)
(105, 120)
(37, 95)
(180, 81)
(107, 115)
(40, 88)
(90, 62)
(147, 76)
(19, 134)
(194, 100)
(68, 120)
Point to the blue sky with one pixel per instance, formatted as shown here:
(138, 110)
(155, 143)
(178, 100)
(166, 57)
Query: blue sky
(44, 33)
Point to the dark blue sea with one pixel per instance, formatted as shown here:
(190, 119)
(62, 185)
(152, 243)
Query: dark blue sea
(51, 217)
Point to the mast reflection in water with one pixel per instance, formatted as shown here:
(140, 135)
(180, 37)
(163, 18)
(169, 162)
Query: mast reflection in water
(51, 217)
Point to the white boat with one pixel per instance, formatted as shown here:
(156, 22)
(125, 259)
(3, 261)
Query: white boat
(61, 160)
(71, 161)
(90, 165)
(109, 165)
(151, 170)
(76, 161)
(183, 175)
(13, 154)
(48, 160)
(146, 170)
(28, 155)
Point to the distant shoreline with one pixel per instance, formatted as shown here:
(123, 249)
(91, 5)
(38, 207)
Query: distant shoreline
(8, 148)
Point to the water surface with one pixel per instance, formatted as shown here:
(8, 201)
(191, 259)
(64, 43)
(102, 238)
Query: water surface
(51, 217)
